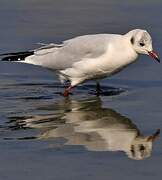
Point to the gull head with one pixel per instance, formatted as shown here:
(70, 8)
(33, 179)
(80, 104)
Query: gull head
(142, 43)
(141, 147)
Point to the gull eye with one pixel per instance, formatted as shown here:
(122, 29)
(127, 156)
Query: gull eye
(141, 148)
(141, 44)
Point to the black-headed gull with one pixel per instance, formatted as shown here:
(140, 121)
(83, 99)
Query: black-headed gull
(89, 57)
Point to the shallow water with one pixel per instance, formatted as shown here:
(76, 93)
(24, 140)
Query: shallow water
(46, 136)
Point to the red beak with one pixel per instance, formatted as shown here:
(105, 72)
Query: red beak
(154, 55)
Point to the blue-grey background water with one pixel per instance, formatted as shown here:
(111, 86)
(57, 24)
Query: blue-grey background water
(44, 136)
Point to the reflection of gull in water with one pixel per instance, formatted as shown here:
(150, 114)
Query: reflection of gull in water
(87, 123)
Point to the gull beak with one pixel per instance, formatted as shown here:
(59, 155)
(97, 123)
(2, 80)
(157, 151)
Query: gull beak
(155, 136)
(154, 55)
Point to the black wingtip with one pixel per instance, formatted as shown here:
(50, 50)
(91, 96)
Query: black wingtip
(18, 56)
(11, 58)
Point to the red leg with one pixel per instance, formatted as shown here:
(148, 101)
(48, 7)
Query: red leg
(67, 91)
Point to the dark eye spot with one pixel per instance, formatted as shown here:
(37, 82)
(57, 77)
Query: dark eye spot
(132, 40)
(132, 150)
(142, 44)
(142, 148)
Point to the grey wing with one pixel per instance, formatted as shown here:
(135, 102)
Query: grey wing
(76, 49)
(47, 46)
(59, 57)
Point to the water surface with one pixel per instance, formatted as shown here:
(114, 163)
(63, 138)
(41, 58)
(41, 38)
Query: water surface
(46, 136)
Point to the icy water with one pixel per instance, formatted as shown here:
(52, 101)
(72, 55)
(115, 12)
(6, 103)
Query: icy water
(48, 137)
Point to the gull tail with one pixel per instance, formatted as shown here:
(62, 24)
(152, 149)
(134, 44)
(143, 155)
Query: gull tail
(18, 56)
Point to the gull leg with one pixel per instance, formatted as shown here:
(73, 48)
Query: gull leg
(73, 83)
(67, 91)
(98, 88)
